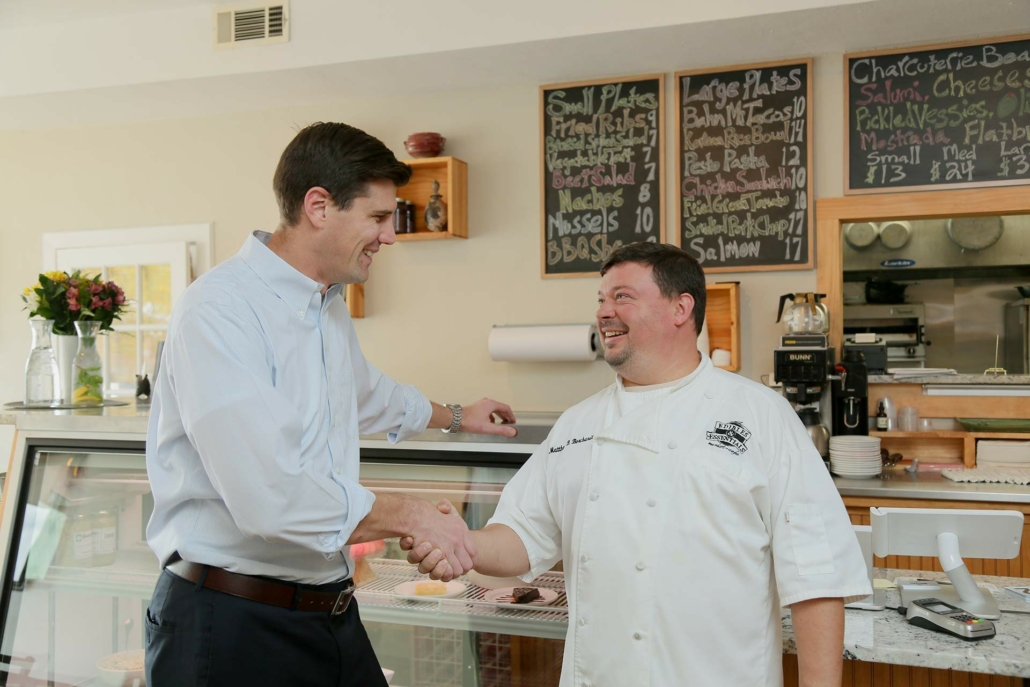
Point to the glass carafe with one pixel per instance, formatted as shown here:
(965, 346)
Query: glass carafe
(42, 379)
(88, 384)
(807, 316)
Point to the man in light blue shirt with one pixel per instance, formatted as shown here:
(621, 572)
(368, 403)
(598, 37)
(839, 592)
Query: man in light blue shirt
(252, 449)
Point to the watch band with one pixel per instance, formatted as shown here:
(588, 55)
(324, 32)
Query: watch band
(455, 419)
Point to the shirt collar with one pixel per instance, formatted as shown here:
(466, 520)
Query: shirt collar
(293, 287)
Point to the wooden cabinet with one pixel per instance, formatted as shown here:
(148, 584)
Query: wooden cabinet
(722, 313)
(941, 447)
(452, 174)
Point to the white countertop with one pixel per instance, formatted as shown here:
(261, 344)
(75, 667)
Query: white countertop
(886, 637)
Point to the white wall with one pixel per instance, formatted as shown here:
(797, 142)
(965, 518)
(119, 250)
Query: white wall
(430, 304)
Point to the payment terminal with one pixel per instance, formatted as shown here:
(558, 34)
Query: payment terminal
(934, 614)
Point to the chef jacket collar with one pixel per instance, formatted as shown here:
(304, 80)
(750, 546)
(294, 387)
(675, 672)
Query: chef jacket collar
(292, 286)
(642, 427)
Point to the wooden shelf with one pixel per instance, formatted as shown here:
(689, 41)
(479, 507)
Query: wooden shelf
(941, 446)
(722, 313)
(452, 174)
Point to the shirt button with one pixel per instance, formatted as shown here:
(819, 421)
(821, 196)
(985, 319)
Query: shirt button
(582, 622)
(594, 496)
(300, 313)
(637, 635)
(672, 444)
(652, 503)
(640, 565)
(338, 471)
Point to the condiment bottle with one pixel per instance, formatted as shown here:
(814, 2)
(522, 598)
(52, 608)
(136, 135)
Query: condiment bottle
(411, 217)
(105, 538)
(881, 418)
(400, 217)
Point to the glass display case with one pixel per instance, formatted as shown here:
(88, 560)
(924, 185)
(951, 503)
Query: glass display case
(78, 574)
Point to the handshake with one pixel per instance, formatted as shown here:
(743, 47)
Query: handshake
(442, 545)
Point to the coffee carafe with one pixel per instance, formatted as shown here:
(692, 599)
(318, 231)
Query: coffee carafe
(851, 395)
(807, 315)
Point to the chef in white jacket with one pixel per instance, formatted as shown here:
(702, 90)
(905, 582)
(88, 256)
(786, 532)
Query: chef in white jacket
(687, 503)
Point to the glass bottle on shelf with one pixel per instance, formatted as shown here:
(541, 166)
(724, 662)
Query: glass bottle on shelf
(88, 385)
(882, 422)
(105, 538)
(400, 217)
(410, 209)
(42, 379)
(80, 553)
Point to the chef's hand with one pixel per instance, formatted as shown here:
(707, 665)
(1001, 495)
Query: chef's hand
(431, 560)
(478, 418)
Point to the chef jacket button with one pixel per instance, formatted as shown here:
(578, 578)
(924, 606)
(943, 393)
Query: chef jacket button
(652, 503)
(582, 622)
(594, 496)
(640, 565)
(709, 395)
(672, 444)
(584, 558)
(637, 635)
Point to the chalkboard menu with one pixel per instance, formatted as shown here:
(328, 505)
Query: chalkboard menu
(744, 166)
(603, 150)
(950, 116)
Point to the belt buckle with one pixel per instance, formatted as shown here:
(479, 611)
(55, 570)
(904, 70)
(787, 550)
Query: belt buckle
(342, 602)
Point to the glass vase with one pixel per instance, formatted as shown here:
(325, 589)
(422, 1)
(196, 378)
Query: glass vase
(88, 384)
(42, 379)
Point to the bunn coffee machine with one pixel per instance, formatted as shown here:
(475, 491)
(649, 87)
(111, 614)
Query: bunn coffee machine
(851, 395)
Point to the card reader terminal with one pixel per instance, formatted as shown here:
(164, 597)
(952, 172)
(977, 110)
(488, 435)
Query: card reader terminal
(934, 614)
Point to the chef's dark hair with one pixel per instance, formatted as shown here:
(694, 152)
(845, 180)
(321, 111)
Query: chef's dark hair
(673, 269)
(339, 158)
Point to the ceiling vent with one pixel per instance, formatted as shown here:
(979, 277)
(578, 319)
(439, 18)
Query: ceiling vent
(248, 24)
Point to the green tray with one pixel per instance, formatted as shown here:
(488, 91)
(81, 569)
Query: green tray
(1000, 425)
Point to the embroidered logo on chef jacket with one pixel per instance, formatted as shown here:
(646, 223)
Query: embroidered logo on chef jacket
(570, 442)
(732, 436)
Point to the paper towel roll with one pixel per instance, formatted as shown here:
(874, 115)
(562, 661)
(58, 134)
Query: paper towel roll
(540, 343)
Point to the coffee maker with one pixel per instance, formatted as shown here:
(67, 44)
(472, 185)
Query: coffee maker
(851, 395)
(803, 364)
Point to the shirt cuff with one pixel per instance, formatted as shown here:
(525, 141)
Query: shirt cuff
(417, 413)
(361, 500)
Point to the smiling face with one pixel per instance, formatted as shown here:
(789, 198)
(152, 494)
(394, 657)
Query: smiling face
(645, 336)
(348, 239)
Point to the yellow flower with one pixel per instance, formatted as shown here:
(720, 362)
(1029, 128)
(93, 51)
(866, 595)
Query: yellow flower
(57, 276)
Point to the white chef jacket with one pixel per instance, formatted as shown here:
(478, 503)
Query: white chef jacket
(684, 525)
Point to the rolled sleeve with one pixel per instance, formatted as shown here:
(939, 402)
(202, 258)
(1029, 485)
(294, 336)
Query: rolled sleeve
(417, 413)
(815, 550)
(248, 437)
(525, 507)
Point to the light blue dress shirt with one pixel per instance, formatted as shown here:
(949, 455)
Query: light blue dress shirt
(252, 447)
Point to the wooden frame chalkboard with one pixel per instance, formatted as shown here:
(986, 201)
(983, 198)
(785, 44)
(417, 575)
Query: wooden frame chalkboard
(598, 139)
(744, 166)
(914, 106)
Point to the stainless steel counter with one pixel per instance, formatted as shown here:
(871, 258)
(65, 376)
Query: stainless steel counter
(898, 484)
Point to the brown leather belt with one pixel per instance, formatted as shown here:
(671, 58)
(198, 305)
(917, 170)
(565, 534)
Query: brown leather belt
(271, 592)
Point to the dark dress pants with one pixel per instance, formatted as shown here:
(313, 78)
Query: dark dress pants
(199, 637)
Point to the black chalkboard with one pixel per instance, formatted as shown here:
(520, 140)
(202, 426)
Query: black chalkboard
(950, 116)
(603, 170)
(744, 166)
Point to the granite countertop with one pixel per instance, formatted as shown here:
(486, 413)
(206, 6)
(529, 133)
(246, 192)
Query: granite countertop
(977, 380)
(886, 637)
(129, 419)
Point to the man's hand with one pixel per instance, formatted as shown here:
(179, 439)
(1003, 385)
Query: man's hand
(435, 549)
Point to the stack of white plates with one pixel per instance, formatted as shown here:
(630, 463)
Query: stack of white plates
(855, 456)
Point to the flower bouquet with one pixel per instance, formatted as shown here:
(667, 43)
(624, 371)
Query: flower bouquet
(78, 305)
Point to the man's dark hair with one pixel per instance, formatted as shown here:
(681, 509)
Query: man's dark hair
(337, 157)
(673, 270)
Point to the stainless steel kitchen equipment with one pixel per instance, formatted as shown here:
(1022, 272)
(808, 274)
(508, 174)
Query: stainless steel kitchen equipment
(901, 327)
(1016, 345)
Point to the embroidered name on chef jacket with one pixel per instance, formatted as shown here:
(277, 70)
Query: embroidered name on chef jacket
(731, 436)
(570, 442)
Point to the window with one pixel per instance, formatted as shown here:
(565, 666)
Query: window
(153, 273)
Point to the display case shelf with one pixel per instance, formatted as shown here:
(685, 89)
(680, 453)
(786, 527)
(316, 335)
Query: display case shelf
(133, 575)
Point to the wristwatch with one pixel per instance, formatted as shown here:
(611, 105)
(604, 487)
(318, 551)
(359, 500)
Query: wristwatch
(456, 418)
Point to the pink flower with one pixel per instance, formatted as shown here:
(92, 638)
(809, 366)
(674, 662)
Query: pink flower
(73, 282)
(72, 294)
(95, 288)
(95, 303)
(106, 304)
(120, 298)
(73, 305)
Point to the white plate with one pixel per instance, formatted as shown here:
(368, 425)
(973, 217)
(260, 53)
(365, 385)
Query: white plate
(407, 590)
(503, 596)
(855, 442)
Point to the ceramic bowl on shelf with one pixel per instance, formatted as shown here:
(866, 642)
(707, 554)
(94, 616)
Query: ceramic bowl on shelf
(124, 669)
(425, 144)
